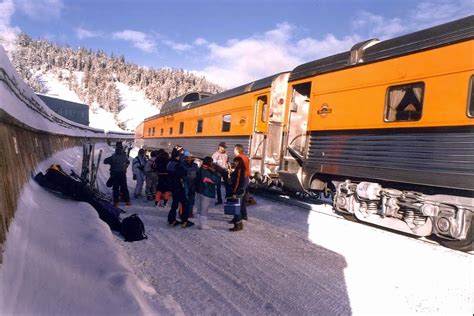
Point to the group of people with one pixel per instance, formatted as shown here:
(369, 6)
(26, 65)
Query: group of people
(177, 176)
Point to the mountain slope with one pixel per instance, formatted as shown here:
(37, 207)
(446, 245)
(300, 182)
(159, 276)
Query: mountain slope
(127, 91)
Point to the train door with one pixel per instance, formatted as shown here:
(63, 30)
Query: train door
(274, 128)
(296, 138)
(257, 147)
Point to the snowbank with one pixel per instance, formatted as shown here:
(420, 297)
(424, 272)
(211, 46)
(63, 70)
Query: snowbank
(61, 259)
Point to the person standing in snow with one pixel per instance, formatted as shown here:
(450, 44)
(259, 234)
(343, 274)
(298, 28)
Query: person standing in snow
(118, 172)
(190, 180)
(163, 193)
(206, 191)
(138, 168)
(176, 175)
(151, 176)
(221, 160)
(239, 152)
(237, 178)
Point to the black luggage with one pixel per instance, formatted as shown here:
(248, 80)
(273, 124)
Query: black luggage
(60, 183)
(133, 228)
(108, 213)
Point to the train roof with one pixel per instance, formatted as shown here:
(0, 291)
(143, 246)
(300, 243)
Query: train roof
(249, 87)
(176, 105)
(437, 36)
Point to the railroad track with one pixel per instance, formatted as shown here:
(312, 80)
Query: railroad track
(311, 203)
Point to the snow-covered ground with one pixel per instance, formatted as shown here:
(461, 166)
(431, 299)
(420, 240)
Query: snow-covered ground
(56, 88)
(136, 107)
(61, 259)
(286, 261)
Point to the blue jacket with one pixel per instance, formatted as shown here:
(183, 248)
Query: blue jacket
(206, 182)
(176, 175)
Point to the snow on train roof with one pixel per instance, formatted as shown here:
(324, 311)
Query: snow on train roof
(449, 33)
(19, 104)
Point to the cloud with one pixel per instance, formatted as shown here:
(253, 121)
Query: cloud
(425, 14)
(139, 40)
(8, 34)
(239, 61)
(200, 41)
(430, 13)
(310, 48)
(7, 8)
(82, 33)
(180, 47)
(39, 9)
(378, 26)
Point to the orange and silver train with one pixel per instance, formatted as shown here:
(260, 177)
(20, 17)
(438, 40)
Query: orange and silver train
(387, 128)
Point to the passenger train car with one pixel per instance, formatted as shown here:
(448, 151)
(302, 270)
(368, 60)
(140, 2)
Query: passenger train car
(386, 128)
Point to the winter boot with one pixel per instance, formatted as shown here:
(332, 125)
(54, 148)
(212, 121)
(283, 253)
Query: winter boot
(187, 224)
(174, 224)
(203, 224)
(237, 226)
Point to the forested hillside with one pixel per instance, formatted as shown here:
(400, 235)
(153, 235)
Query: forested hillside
(93, 75)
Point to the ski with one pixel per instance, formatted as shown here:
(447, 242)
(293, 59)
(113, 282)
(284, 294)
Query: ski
(95, 170)
(84, 163)
(92, 163)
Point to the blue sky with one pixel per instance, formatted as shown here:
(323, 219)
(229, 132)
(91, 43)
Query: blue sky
(230, 42)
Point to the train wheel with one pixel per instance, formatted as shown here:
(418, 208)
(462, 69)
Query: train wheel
(462, 245)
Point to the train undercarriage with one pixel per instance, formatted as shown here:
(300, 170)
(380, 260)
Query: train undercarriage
(448, 217)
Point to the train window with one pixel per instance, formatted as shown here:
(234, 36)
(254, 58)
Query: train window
(153, 132)
(404, 102)
(162, 131)
(226, 119)
(171, 131)
(199, 126)
(262, 102)
(470, 102)
(181, 127)
(149, 131)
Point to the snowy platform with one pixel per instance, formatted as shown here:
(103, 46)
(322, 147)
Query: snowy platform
(287, 260)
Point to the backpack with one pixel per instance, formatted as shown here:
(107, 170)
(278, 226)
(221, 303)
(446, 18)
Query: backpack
(133, 228)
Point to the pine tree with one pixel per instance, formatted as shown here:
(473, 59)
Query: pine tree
(100, 72)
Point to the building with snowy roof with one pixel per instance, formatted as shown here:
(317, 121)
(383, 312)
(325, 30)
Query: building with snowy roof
(77, 112)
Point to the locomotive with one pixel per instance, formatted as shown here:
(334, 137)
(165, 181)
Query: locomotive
(385, 128)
